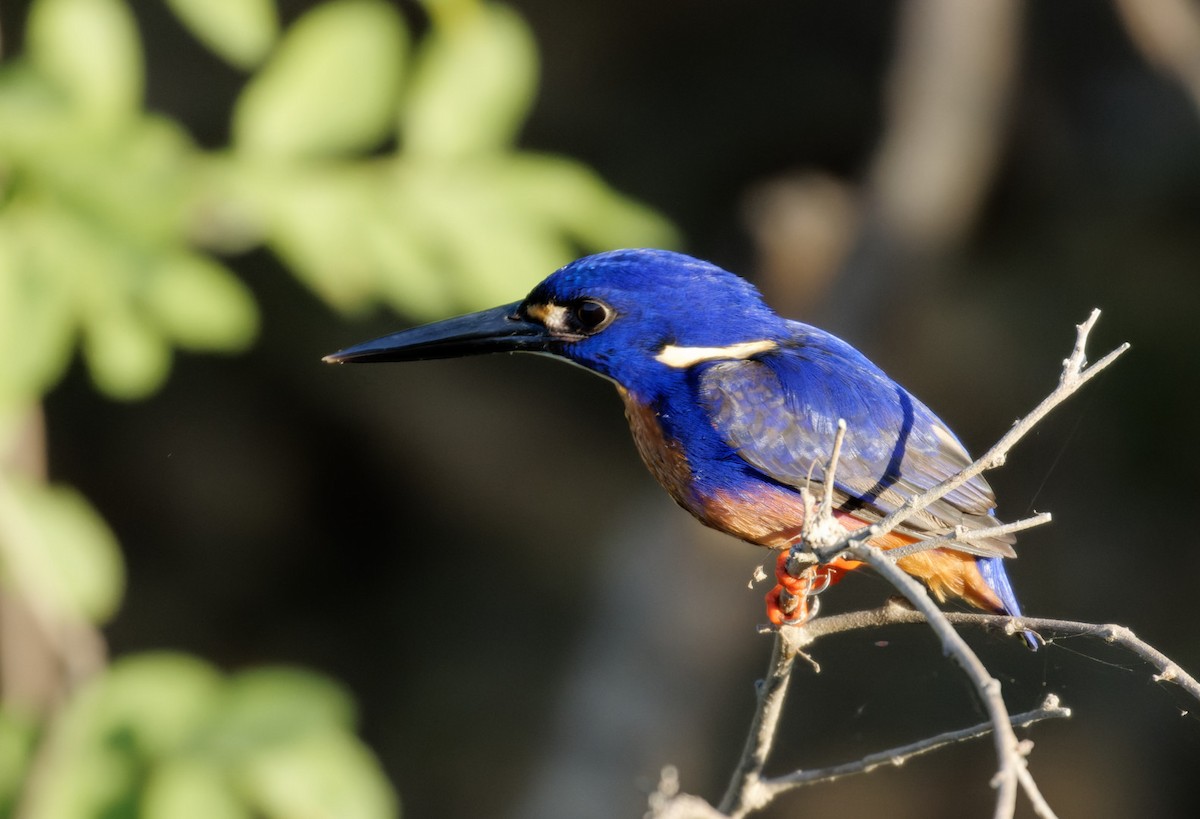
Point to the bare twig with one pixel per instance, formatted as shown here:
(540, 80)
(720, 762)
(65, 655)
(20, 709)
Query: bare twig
(1050, 708)
(824, 538)
(819, 527)
(750, 791)
(826, 544)
(668, 803)
(839, 438)
(1075, 374)
(1167, 670)
(962, 534)
(1010, 754)
(681, 806)
(743, 794)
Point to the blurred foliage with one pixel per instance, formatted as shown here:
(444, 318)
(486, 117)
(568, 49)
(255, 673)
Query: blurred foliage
(378, 171)
(68, 556)
(166, 735)
(381, 171)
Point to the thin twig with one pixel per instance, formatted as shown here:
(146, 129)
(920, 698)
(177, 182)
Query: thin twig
(666, 802)
(755, 792)
(827, 493)
(962, 534)
(1074, 375)
(750, 791)
(895, 757)
(1009, 753)
(824, 538)
(819, 526)
(742, 795)
(1167, 670)
(1012, 770)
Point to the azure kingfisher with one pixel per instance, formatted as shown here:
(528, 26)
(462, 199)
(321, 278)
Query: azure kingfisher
(734, 410)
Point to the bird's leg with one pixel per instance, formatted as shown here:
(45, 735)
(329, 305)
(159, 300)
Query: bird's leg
(788, 603)
(793, 611)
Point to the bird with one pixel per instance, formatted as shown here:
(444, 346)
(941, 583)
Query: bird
(734, 410)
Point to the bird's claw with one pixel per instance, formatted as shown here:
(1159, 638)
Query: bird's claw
(794, 608)
(802, 609)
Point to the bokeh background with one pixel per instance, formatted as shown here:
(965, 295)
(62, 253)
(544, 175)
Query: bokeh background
(526, 625)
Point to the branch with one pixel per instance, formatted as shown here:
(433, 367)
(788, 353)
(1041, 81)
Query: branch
(1167, 670)
(750, 791)
(1010, 753)
(818, 527)
(823, 538)
(839, 438)
(896, 757)
(962, 534)
(668, 803)
(742, 795)
(826, 543)
(1075, 374)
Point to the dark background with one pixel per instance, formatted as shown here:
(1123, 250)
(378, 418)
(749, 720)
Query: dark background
(529, 625)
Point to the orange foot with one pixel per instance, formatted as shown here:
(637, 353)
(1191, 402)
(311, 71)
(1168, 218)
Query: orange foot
(809, 583)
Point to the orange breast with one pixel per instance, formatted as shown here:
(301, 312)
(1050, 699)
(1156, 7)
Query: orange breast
(664, 458)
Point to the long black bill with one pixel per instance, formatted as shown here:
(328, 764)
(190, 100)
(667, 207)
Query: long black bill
(497, 330)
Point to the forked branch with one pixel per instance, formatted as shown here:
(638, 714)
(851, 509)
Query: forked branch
(1166, 670)
(1012, 768)
(1075, 374)
(825, 539)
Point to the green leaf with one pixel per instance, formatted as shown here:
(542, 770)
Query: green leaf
(410, 278)
(69, 559)
(241, 31)
(33, 112)
(266, 707)
(90, 48)
(131, 187)
(36, 316)
(141, 709)
(330, 87)
(90, 780)
(473, 85)
(200, 304)
(166, 735)
(316, 220)
(191, 789)
(127, 358)
(580, 203)
(486, 244)
(158, 701)
(321, 776)
(139, 187)
(17, 734)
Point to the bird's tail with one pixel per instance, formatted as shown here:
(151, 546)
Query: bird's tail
(992, 569)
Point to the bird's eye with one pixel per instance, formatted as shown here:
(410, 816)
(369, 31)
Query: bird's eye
(591, 315)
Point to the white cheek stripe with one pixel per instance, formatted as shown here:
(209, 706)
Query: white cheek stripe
(684, 357)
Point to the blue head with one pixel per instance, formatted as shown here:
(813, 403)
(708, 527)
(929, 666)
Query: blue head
(639, 317)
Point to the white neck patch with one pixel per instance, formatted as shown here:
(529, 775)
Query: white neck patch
(683, 357)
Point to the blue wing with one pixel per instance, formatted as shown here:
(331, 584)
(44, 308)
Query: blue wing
(779, 412)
